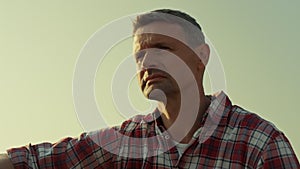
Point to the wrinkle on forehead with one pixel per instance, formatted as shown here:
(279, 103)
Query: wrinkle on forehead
(147, 33)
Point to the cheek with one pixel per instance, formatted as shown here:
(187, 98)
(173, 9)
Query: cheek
(139, 77)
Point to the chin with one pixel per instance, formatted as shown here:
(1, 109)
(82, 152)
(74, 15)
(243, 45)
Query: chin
(157, 93)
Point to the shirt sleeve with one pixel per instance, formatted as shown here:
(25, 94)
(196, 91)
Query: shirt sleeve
(68, 153)
(279, 154)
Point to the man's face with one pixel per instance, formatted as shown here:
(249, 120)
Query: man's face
(163, 60)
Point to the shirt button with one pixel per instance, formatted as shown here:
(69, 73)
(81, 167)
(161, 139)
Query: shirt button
(167, 136)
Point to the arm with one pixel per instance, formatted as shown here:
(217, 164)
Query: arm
(279, 154)
(5, 162)
(68, 153)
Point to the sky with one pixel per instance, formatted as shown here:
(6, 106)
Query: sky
(257, 43)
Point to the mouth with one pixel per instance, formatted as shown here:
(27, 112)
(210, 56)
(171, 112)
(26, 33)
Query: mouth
(153, 78)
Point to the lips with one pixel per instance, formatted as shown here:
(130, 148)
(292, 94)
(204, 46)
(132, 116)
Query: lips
(154, 77)
(157, 76)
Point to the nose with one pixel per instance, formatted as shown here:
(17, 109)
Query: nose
(146, 61)
(149, 59)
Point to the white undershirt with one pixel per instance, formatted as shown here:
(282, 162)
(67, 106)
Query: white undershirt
(180, 147)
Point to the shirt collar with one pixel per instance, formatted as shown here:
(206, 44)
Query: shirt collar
(215, 115)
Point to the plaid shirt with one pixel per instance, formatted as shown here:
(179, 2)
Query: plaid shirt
(230, 137)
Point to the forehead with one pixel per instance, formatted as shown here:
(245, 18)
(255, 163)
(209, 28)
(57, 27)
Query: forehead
(158, 31)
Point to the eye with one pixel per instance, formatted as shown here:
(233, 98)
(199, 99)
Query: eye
(163, 47)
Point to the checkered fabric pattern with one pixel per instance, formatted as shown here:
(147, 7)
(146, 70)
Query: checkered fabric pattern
(230, 137)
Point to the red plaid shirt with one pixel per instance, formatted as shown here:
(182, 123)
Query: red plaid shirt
(238, 139)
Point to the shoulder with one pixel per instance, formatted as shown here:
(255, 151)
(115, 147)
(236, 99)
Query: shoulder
(247, 127)
(246, 120)
(137, 126)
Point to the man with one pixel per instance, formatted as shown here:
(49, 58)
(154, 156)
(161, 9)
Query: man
(187, 130)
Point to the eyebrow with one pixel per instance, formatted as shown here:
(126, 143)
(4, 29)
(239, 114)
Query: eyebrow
(155, 42)
(160, 44)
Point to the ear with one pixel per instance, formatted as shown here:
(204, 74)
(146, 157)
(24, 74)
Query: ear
(203, 52)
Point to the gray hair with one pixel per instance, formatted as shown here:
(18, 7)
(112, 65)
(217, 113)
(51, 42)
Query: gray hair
(192, 29)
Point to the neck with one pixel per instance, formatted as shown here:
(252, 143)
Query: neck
(182, 117)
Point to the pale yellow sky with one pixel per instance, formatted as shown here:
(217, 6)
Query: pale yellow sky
(40, 42)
